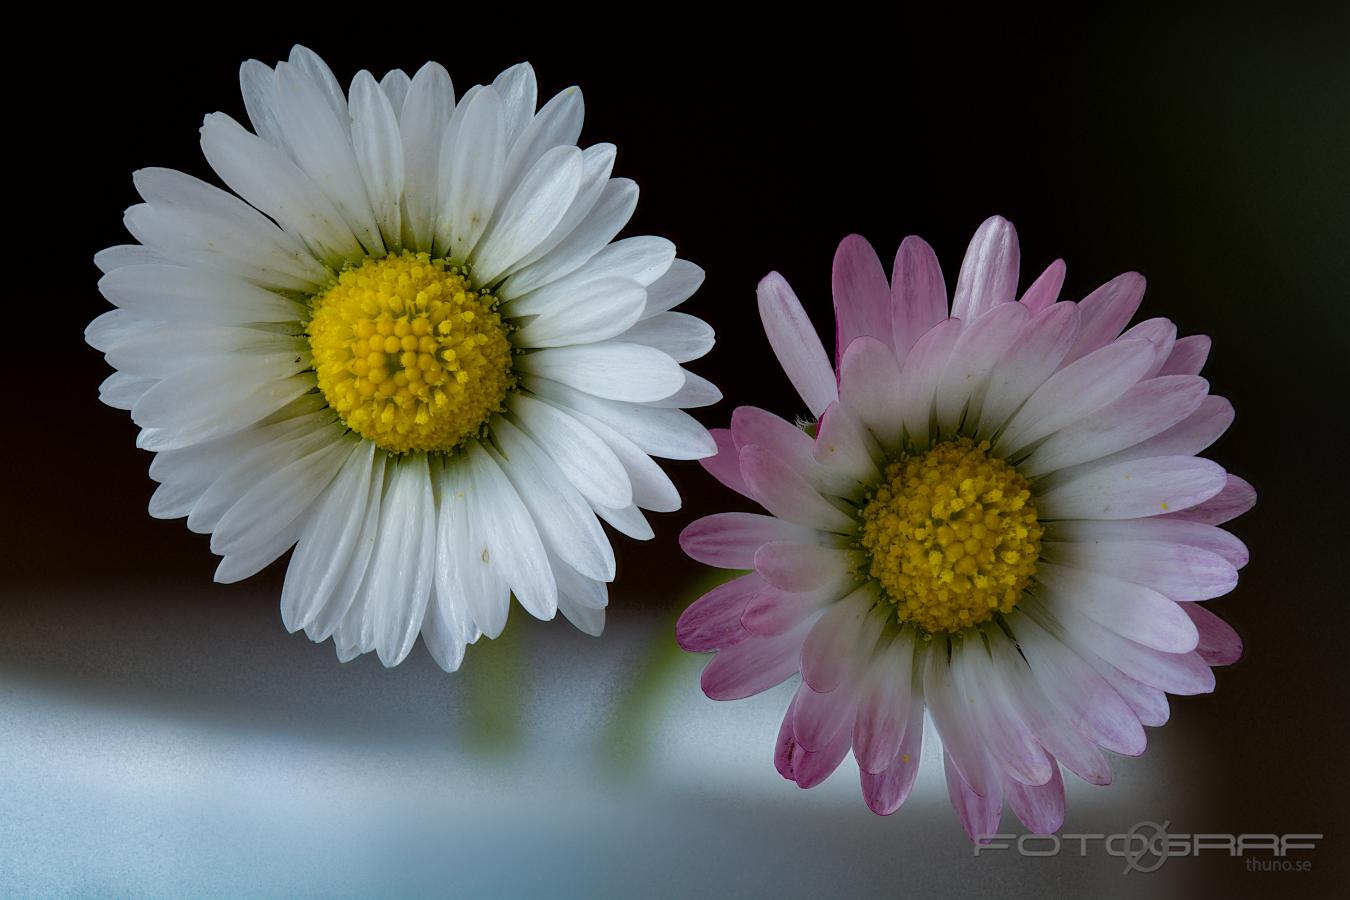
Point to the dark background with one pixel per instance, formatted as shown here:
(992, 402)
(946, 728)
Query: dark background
(1210, 153)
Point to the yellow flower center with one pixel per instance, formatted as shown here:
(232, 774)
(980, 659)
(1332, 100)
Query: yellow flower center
(951, 536)
(409, 354)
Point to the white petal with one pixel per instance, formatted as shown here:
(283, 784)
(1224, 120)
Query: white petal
(610, 213)
(268, 179)
(679, 283)
(530, 213)
(1134, 489)
(610, 369)
(398, 582)
(594, 311)
(182, 294)
(668, 433)
(471, 165)
(681, 337)
(1033, 357)
(557, 124)
(652, 488)
(422, 122)
(519, 93)
(378, 145)
(583, 457)
(508, 530)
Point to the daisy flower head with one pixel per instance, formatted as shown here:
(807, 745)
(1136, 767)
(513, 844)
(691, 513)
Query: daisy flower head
(409, 345)
(997, 516)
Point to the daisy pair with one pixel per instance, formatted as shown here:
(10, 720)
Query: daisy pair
(409, 345)
(996, 516)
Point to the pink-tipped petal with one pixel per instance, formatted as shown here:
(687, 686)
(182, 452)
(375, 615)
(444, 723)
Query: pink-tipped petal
(862, 298)
(918, 294)
(887, 790)
(774, 610)
(817, 718)
(796, 344)
(1033, 357)
(1072, 685)
(979, 814)
(1184, 674)
(1045, 289)
(783, 491)
(794, 566)
(725, 464)
(1219, 643)
(988, 274)
(752, 425)
(754, 665)
(976, 354)
(810, 769)
(884, 705)
(785, 748)
(713, 621)
(844, 445)
(1146, 409)
(1188, 356)
(1134, 489)
(947, 704)
(1156, 529)
(1076, 391)
(869, 385)
(1039, 807)
(1106, 311)
(919, 377)
(1174, 570)
(1235, 498)
(1135, 611)
(830, 650)
(729, 540)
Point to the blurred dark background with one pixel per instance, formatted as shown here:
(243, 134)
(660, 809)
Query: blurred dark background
(1210, 153)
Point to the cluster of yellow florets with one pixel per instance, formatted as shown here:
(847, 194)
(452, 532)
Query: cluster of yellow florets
(408, 354)
(951, 536)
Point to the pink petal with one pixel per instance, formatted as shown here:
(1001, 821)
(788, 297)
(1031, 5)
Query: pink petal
(783, 491)
(1105, 313)
(1146, 409)
(1219, 643)
(817, 718)
(1178, 571)
(1033, 357)
(1039, 807)
(869, 384)
(979, 815)
(862, 298)
(729, 540)
(1045, 289)
(725, 464)
(1132, 610)
(1148, 703)
(753, 665)
(1134, 489)
(795, 566)
(844, 446)
(1188, 356)
(835, 645)
(947, 705)
(796, 344)
(1075, 391)
(1054, 729)
(919, 377)
(1235, 498)
(887, 790)
(918, 294)
(1008, 741)
(713, 621)
(1071, 684)
(810, 769)
(976, 354)
(786, 746)
(1155, 529)
(752, 425)
(988, 274)
(1177, 673)
(885, 704)
(1162, 333)
(774, 610)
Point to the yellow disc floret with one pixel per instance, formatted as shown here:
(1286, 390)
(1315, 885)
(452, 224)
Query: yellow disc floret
(951, 536)
(409, 354)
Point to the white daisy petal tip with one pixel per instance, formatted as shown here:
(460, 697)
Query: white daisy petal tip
(387, 350)
(994, 512)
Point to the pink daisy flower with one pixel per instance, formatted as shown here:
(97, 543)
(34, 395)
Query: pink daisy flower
(997, 516)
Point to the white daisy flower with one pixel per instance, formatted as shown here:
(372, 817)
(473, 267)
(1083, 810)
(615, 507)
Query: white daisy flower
(410, 347)
(999, 518)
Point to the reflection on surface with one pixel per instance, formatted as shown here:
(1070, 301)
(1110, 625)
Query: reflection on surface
(152, 755)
